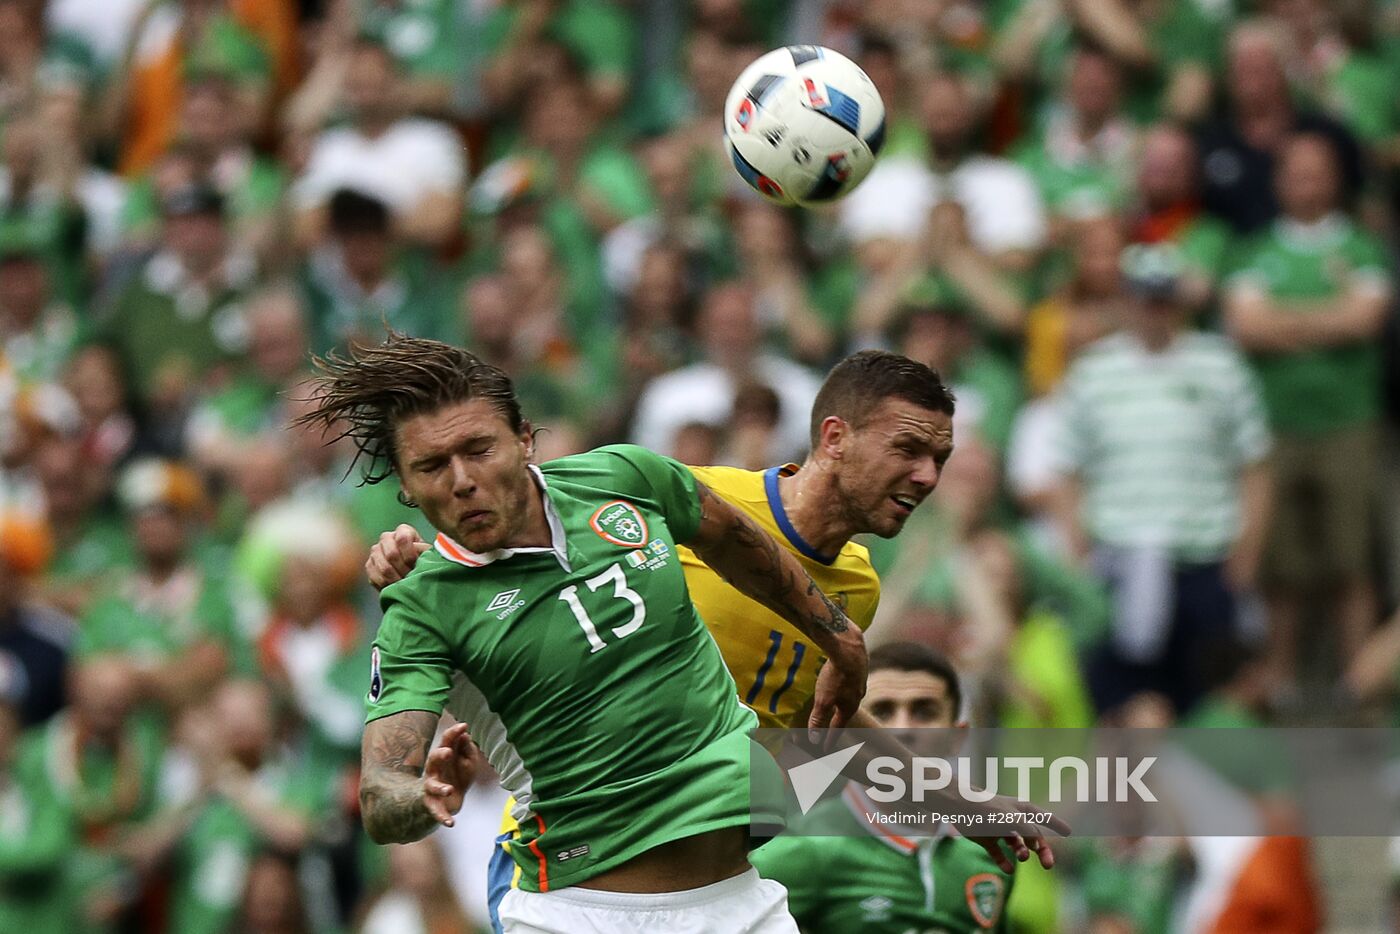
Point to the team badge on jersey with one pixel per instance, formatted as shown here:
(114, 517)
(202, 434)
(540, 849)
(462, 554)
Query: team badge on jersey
(620, 523)
(376, 680)
(986, 894)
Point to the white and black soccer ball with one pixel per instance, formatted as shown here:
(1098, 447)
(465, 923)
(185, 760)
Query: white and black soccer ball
(803, 125)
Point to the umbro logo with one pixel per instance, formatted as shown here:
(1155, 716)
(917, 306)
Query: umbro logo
(877, 908)
(502, 600)
(505, 603)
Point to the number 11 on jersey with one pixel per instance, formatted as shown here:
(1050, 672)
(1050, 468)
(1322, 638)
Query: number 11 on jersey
(798, 650)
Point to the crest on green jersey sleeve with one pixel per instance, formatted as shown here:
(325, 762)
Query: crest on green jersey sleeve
(620, 523)
(986, 894)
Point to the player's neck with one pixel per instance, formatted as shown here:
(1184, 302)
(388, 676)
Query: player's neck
(534, 531)
(807, 499)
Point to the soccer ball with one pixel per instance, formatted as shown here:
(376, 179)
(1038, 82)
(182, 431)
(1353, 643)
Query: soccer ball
(803, 125)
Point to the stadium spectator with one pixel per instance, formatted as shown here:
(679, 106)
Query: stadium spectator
(41, 173)
(419, 899)
(236, 793)
(32, 849)
(1239, 149)
(272, 901)
(1082, 158)
(727, 334)
(413, 165)
(785, 284)
(102, 763)
(365, 275)
(34, 639)
(1308, 303)
(94, 379)
(1169, 210)
(1004, 211)
(178, 324)
(213, 150)
(171, 618)
(37, 333)
(1163, 443)
(168, 43)
(938, 327)
(601, 37)
(250, 404)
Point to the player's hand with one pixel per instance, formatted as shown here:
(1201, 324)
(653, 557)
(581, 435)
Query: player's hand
(1025, 839)
(448, 774)
(393, 556)
(841, 682)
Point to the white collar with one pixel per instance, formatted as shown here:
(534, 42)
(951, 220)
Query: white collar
(458, 554)
(1324, 232)
(896, 837)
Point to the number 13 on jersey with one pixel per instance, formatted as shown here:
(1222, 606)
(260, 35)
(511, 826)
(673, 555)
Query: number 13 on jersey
(615, 576)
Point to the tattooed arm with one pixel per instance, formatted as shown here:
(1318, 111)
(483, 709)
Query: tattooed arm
(755, 564)
(404, 790)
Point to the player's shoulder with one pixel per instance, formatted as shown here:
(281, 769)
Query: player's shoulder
(733, 484)
(601, 461)
(432, 579)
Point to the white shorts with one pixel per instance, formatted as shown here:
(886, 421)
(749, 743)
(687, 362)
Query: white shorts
(745, 904)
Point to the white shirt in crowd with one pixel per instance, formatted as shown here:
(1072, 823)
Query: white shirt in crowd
(1004, 208)
(411, 160)
(704, 393)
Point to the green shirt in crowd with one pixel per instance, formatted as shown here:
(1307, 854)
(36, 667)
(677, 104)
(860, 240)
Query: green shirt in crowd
(36, 837)
(209, 867)
(1328, 389)
(874, 879)
(165, 327)
(589, 680)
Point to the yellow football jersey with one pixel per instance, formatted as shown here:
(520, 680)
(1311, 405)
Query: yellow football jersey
(773, 664)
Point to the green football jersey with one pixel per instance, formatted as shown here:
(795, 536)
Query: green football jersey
(876, 880)
(1314, 392)
(582, 669)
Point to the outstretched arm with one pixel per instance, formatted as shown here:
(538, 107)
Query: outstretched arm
(756, 565)
(404, 791)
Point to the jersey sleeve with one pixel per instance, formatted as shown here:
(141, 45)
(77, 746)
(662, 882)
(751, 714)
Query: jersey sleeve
(667, 483)
(410, 660)
(797, 863)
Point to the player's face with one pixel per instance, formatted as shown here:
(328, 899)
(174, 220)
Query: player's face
(891, 463)
(909, 700)
(466, 469)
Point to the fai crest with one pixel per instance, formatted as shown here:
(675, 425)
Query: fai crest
(986, 894)
(620, 523)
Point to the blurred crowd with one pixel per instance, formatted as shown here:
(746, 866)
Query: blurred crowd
(1147, 242)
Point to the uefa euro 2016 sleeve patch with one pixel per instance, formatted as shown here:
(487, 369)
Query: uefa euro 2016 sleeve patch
(376, 678)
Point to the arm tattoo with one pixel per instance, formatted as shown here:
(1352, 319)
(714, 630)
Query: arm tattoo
(392, 757)
(755, 563)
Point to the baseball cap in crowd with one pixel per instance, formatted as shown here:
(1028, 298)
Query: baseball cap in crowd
(1152, 270)
(193, 200)
(155, 483)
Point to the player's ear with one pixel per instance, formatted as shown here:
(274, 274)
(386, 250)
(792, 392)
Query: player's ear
(832, 436)
(527, 438)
